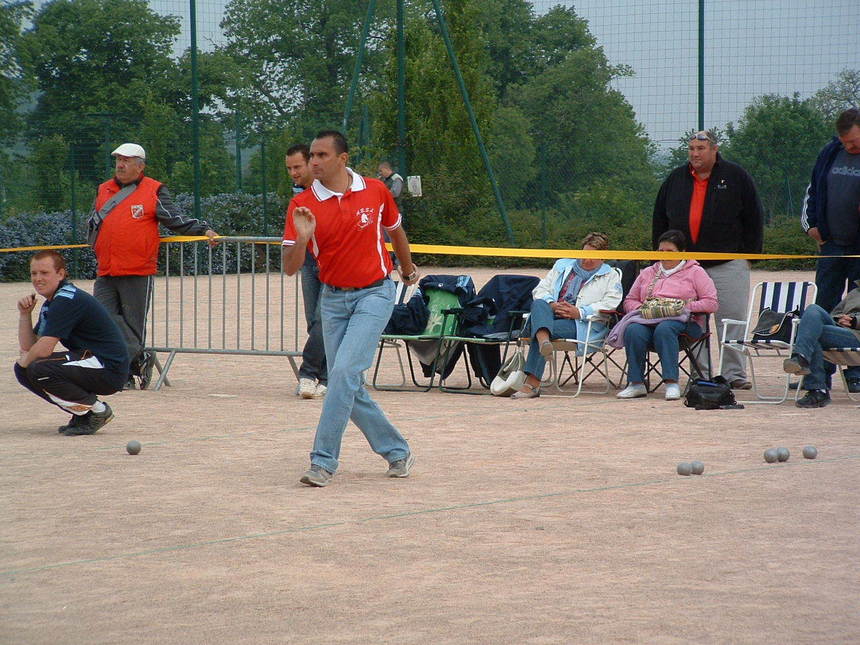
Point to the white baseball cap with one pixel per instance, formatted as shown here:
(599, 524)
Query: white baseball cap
(130, 150)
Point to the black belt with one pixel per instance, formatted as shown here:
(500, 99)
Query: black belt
(372, 285)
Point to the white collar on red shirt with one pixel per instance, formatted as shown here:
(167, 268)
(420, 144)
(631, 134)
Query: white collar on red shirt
(322, 193)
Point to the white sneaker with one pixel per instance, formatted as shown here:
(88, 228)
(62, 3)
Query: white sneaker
(673, 391)
(320, 391)
(633, 391)
(307, 388)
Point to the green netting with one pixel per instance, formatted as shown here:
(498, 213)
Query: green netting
(581, 106)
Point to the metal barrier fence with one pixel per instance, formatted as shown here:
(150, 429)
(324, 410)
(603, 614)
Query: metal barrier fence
(234, 300)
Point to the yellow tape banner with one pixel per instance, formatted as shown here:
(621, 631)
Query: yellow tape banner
(438, 249)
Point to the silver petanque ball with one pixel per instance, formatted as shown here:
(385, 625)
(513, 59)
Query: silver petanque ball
(810, 452)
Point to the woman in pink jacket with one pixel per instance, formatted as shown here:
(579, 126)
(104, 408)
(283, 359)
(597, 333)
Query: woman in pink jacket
(683, 279)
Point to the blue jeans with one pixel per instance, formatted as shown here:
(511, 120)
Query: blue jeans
(663, 337)
(834, 277)
(542, 317)
(352, 322)
(818, 331)
(313, 353)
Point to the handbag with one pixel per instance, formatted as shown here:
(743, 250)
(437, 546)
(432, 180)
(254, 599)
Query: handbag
(511, 376)
(660, 307)
(774, 325)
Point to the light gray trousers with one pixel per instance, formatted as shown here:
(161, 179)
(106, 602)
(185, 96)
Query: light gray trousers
(732, 280)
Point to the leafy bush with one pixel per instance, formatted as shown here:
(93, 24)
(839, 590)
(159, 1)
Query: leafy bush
(601, 207)
(40, 229)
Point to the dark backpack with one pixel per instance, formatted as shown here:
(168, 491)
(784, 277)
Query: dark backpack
(709, 395)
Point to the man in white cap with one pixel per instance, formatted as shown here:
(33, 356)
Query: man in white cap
(123, 231)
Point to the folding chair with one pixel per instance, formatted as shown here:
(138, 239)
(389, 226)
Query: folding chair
(427, 345)
(847, 356)
(402, 294)
(583, 358)
(486, 323)
(778, 296)
(688, 362)
(587, 356)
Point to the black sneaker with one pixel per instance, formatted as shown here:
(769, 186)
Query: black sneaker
(813, 399)
(147, 362)
(797, 364)
(853, 385)
(91, 422)
(72, 423)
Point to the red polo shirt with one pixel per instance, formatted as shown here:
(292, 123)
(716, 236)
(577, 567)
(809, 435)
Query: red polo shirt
(697, 205)
(348, 242)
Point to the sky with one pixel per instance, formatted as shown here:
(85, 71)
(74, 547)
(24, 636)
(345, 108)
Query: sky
(752, 47)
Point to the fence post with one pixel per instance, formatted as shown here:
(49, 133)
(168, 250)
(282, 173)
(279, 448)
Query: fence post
(195, 117)
(701, 99)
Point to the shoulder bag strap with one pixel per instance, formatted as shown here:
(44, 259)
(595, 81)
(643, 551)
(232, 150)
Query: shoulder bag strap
(96, 218)
(653, 284)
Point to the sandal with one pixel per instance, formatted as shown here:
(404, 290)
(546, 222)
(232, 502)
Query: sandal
(532, 393)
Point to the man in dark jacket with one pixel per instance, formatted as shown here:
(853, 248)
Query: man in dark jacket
(714, 202)
(831, 217)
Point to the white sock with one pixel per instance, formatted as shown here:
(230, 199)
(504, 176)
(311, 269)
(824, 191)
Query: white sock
(98, 407)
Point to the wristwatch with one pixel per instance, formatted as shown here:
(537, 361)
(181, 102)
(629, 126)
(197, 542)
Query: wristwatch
(411, 276)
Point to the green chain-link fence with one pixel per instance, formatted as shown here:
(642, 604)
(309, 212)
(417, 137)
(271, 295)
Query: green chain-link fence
(581, 107)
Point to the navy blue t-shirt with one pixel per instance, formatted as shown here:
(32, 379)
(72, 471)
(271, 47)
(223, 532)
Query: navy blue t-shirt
(82, 323)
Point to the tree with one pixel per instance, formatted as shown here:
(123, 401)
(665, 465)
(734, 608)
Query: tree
(584, 130)
(839, 95)
(440, 144)
(295, 60)
(777, 140)
(98, 63)
(13, 80)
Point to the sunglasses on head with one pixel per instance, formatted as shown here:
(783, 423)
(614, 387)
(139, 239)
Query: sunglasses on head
(704, 136)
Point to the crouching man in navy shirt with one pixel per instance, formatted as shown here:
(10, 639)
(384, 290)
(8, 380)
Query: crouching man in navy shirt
(95, 361)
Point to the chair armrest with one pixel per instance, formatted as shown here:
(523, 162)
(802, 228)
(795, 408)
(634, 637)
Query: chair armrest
(732, 321)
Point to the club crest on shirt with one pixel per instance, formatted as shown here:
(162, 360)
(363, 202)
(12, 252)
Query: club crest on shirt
(137, 211)
(364, 217)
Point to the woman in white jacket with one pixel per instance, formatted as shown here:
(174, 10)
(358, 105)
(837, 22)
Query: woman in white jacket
(572, 292)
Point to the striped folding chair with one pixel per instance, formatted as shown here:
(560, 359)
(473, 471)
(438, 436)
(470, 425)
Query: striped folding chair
(780, 297)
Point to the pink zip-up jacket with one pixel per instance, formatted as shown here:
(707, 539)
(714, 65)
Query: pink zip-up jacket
(691, 283)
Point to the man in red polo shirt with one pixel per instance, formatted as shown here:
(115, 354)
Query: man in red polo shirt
(340, 219)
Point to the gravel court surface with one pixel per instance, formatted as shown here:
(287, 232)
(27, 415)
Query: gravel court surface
(555, 520)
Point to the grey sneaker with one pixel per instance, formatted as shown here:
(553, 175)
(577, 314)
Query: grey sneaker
(316, 476)
(90, 423)
(401, 467)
